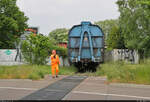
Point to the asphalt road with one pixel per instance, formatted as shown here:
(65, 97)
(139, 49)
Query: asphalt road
(16, 89)
(57, 90)
(71, 88)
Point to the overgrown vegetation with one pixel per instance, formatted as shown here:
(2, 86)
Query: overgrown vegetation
(34, 72)
(118, 72)
(123, 72)
(126, 73)
(36, 49)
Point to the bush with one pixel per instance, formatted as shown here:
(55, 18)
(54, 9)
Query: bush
(36, 49)
(61, 51)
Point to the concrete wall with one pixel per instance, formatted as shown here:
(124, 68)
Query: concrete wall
(126, 55)
(10, 57)
(108, 56)
(7, 57)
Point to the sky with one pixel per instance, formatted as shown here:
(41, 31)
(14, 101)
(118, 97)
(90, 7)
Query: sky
(48, 15)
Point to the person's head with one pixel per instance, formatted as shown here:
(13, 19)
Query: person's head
(54, 52)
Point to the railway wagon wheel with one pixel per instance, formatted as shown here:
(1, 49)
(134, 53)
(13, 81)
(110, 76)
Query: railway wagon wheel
(86, 67)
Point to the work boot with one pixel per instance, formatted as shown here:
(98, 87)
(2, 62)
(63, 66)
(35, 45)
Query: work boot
(56, 76)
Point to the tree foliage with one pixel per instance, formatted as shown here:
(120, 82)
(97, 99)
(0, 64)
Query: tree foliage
(115, 39)
(59, 35)
(36, 49)
(112, 33)
(12, 23)
(135, 23)
(107, 25)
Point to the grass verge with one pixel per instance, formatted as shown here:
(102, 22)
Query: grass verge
(125, 73)
(115, 72)
(33, 72)
(121, 72)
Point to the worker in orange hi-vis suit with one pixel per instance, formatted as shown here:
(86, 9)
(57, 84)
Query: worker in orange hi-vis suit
(54, 63)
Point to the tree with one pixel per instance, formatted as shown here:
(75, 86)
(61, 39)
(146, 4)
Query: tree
(135, 23)
(36, 49)
(12, 23)
(115, 39)
(112, 32)
(59, 35)
(107, 25)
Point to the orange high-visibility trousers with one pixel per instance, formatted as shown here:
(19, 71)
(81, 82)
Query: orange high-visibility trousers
(54, 68)
(54, 64)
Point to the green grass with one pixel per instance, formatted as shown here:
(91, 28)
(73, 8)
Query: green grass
(125, 73)
(115, 72)
(33, 72)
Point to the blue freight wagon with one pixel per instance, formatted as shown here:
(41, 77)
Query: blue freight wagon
(86, 46)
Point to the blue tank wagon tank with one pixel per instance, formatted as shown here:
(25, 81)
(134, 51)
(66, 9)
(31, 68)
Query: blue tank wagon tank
(86, 46)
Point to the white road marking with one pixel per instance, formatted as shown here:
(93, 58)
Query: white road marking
(66, 96)
(18, 88)
(14, 80)
(95, 93)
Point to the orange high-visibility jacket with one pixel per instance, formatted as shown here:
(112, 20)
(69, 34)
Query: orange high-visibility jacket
(55, 61)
